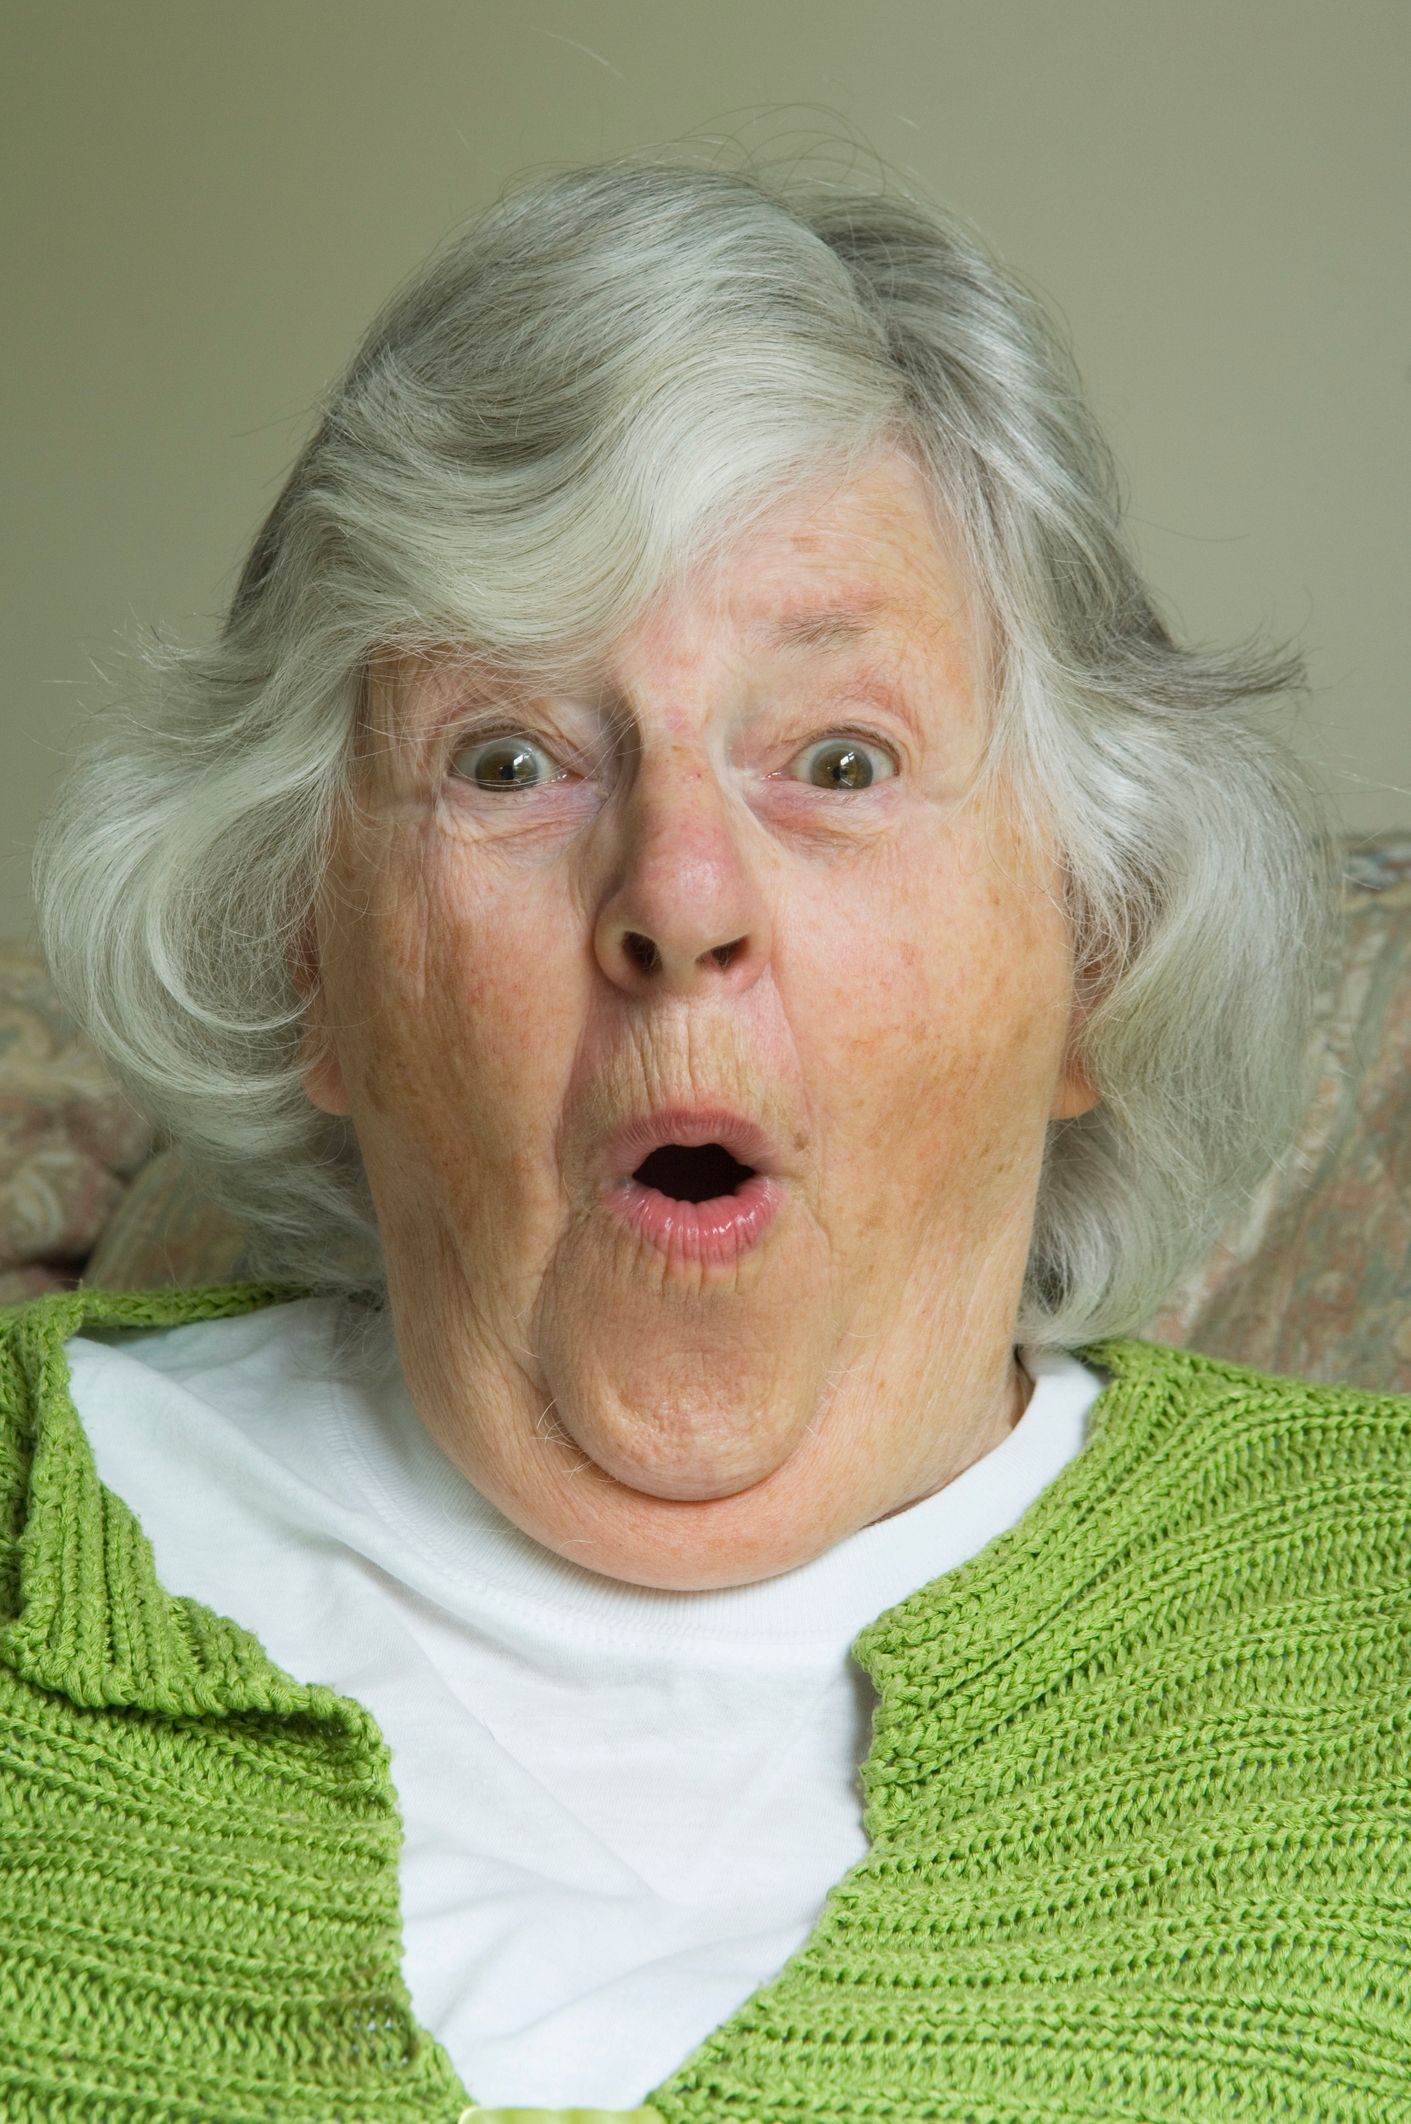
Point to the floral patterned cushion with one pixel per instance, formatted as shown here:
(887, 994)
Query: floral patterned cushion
(166, 1230)
(69, 1142)
(1313, 1278)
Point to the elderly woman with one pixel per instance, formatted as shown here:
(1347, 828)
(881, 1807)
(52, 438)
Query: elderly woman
(725, 958)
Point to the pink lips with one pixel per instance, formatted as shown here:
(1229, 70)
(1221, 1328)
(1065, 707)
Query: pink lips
(717, 1230)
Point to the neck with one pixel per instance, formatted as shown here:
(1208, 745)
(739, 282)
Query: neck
(1012, 1407)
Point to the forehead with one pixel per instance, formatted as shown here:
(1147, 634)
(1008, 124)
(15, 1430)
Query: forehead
(858, 565)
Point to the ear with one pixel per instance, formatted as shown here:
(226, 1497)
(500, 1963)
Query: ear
(1076, 1092)
(319, 1067)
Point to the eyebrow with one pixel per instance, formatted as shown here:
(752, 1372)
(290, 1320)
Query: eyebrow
(830, 628)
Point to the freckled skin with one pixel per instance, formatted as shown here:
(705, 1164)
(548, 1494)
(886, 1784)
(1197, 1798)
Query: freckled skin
(896, 1014)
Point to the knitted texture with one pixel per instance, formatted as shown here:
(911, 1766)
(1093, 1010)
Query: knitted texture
(1138, 1803)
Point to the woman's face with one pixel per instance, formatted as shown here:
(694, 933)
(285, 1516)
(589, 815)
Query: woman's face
(766, 785)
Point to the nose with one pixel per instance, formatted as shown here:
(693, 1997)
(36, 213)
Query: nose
(685, 914)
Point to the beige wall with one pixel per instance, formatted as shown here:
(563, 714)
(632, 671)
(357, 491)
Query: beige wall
(206, 199)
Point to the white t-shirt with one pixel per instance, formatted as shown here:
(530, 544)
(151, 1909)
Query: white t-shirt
(624, 1807)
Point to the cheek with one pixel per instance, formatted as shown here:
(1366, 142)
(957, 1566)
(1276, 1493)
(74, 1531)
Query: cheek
(450, 1013)
(937, 1054)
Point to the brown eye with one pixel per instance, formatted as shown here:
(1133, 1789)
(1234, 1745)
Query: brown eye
(843, 763)
(499, 763)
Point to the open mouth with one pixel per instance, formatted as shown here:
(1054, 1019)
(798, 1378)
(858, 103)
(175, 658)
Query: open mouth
(688, 1172)
(696, 1203)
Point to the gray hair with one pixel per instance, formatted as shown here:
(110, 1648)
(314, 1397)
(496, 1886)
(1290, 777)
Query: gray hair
(609, 376)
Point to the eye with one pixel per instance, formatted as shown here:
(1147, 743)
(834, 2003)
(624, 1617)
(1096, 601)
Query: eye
(505, 761)
(844, 763)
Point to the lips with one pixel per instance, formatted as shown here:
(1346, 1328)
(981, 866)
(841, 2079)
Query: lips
(688, 1126)
(700, 1208)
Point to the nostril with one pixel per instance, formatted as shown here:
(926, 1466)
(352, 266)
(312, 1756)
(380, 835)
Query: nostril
(641, 951)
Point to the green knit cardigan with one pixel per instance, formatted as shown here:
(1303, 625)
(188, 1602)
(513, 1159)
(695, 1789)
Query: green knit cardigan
(1138, 1803)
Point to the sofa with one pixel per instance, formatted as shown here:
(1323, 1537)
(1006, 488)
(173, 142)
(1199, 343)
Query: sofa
(1311, 1278)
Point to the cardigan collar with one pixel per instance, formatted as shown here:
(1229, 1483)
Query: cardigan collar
(84, 1612)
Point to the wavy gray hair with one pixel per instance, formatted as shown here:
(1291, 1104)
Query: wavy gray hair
(614, 372)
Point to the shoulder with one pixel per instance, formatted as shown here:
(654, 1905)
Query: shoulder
(35, 1368)
(1214, 1388)
(1255, 1461)
(59, 1314)
(83, 1614)
(51, 1320)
